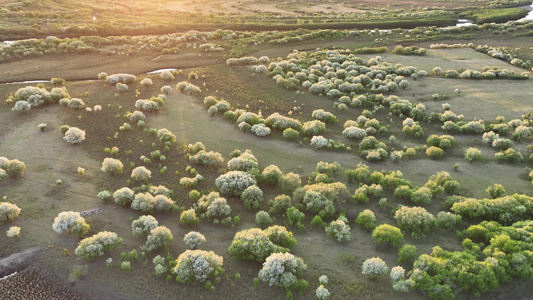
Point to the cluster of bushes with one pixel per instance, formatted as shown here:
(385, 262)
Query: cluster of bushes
(505, 210)
(13, 168)
(320, 197)
(27, 97)
(97, 245)
(493, 255)
(256, 244)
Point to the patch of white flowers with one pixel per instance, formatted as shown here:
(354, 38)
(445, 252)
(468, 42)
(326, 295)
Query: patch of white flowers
(13, 232)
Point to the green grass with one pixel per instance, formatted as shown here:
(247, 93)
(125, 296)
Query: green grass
(499, 15)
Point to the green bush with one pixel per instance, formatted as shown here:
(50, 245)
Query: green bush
(386, 234)
(407, 254)
(367, 219)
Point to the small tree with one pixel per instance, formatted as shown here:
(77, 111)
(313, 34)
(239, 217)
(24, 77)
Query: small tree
(8, 211)
(495, 191)
(123, 196)
(262, 218)
(415, 219)
(374, 267)
(386, 234)
(193, 239)
(281, 269)
(159, 237)
(197, 266)
(407, 253)
(140, 174)
(74, 135)
(188, 217)
(70, 222)
(367, 219)
(97, 245)
(14, 168)
(112, 166)
(143, 225)
(339, 230)
(473, 154)
(252, 197)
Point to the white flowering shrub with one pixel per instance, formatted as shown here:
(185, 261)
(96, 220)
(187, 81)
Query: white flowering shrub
(136, 116)
(146, 105)
(3, 174)
(164, 135)
(70, 222)
(123, 78)
(397, 273)
(279, 122)
(112, 166)
(244, 162)
(323, 279)
(354, 132)
(143, 202)
(218, 208)
(339, 230)
(167, 89)
(210, 158)
(167, 75)
(233, 183)
(374, 267)
(322, 293)
(324, 116)
(252, 197)
(97, 245)
(319, 142)
(256, 244)
(143, 225)
(260, 129)
(473, 154)
(415, 219)
(186, 87)
(314, 127)
(140, 174)
(193, 239)
(281, 269)
(74, 135)
(162, 203)
(123, 196)
(290, 181)
(21, 105)
(13, 232)
(159, 237)
(8, 211)
(76, 103)
(35, 96)
(146, 82)
(197, 266)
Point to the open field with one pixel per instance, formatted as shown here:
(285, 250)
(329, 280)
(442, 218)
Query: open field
(427, 130)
